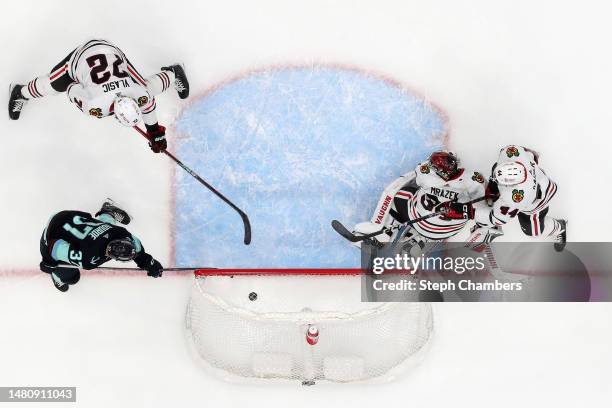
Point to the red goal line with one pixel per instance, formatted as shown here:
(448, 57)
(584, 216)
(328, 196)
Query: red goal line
(278, 271)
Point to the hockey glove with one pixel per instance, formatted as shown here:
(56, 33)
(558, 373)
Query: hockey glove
(48, 267)
(154, 269)
(148, 263)
(491, 192)
(456, 211)
(157, 138)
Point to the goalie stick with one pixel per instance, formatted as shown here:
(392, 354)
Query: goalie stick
(345, 233)
(245, 218)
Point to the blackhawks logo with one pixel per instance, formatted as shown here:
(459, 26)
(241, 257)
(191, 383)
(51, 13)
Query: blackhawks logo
(97, 112)
(477, 177)
(424, 169)
(518, 195)
(512, 151)
(142, 101)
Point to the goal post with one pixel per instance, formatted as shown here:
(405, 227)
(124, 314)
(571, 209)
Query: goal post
(302, 325)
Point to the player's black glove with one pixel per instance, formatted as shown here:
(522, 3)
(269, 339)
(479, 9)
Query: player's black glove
(154, 269)
(157, 138)
(148, 263)
(48, 267)
(491, 192)
(456, 211)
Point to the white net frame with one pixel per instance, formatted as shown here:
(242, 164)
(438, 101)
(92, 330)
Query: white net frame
(366, 342)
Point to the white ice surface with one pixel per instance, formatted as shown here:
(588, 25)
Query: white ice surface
(526, 72)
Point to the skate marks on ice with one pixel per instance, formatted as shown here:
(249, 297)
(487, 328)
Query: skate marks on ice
(295, 147)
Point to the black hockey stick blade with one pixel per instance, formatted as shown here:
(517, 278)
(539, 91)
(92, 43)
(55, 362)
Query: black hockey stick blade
(341, 229)
(247, 227)
(345, 233)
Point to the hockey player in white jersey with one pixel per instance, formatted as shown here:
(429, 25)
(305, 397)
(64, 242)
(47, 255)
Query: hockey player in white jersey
(524, 192)
(420, 192)
(99, 80)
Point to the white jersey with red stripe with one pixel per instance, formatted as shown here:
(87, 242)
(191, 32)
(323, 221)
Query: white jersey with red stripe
(433, 190)
(97, 101)
(101, 71)
(529, 197)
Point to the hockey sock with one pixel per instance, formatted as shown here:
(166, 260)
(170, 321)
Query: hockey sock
(553, 226)
(159, 82)
(37, 88)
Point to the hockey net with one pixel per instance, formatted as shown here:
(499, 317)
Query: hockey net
(301, 325)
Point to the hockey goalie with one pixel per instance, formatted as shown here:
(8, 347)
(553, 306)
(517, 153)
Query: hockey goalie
(421, 192)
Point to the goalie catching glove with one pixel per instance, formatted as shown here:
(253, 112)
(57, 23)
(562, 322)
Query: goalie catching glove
(157, 138)
(456, 211)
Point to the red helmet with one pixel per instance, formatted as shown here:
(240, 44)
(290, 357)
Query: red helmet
(445, 164)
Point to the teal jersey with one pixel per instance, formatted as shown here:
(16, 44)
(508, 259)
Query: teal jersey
(77, 238)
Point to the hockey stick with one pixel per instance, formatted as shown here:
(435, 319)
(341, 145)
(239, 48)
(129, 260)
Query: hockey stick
(345, 233)
(245, 218)
(118, 268)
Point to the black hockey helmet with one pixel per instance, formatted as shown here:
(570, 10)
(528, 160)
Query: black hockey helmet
(122, 249)
(444, 163)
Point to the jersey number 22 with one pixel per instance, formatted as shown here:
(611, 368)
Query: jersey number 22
(99, 68)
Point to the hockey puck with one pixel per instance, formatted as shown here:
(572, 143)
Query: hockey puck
(252, 296)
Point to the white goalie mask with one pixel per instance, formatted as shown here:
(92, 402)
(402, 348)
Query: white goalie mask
(126, 111)
(510, 173)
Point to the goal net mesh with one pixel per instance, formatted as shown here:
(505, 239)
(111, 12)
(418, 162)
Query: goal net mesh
(253, 326)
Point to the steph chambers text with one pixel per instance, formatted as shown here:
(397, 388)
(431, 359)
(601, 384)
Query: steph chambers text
(464, 284)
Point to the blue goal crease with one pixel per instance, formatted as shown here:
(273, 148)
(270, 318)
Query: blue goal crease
(294, 148)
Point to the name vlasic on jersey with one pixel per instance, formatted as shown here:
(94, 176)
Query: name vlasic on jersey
(101, 72)
(433, 190)
(529, 197)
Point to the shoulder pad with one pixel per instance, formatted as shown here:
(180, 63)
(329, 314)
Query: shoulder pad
(512, 151)
(477, 177)
(424, 168)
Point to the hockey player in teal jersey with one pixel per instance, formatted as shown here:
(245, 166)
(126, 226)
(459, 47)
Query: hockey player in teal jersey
(76, 239)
